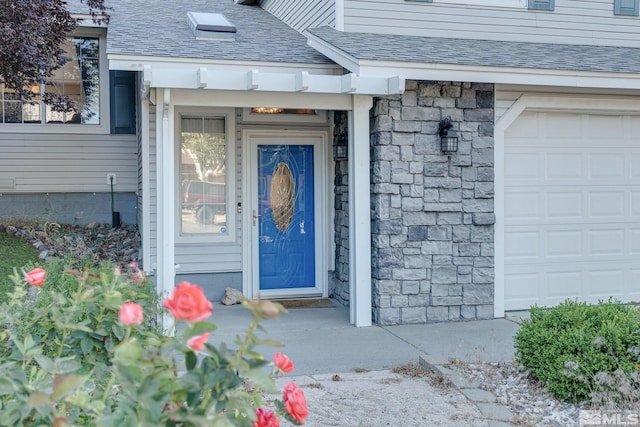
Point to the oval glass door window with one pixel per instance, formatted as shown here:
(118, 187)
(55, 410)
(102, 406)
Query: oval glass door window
(282, 196)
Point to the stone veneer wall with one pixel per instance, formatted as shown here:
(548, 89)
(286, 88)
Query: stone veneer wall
(432, 213)
(339, 280)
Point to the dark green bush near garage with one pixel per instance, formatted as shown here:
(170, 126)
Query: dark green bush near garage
(581, 351)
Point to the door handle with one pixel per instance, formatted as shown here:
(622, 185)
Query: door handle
(255, 216)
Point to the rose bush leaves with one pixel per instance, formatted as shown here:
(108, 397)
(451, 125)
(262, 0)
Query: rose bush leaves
(87, 351)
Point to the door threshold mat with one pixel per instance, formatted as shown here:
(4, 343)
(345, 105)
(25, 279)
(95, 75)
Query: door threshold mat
(306, 303)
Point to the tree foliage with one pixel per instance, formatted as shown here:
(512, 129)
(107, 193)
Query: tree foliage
(32, 33)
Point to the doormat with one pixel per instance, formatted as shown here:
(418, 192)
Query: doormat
(307, 303)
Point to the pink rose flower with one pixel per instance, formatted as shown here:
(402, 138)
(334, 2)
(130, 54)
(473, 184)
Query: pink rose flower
(283, 362)
(188, 303)
(36, 277)
(265, 419)
(130, 314)
(197, 342)
(295, 403)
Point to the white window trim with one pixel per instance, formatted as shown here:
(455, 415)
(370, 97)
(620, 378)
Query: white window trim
(230, 141)
(104, 127)
(519, 4)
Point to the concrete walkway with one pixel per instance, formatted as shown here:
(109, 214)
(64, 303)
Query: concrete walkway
(321, 341)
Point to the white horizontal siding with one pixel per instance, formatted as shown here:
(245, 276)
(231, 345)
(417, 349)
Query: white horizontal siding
(208, 258)
(301, 15)
(587, 22)
(67, 163)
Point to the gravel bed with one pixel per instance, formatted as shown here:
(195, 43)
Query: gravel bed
(99, 242)
(526, 398)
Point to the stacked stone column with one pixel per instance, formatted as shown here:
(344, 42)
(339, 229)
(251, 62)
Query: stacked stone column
(432, 213)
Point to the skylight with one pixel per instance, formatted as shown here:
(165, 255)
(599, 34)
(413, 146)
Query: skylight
(211, 26)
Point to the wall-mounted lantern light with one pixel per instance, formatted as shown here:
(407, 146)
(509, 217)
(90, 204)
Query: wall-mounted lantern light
(340, 148)
(448, 136)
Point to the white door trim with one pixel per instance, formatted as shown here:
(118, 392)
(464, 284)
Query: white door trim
(560, 102)
(249, 241)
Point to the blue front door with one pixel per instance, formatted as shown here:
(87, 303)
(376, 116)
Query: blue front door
(286, 217)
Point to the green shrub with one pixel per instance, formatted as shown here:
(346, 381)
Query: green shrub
(77, 308)
(82, 348)
(570, 346)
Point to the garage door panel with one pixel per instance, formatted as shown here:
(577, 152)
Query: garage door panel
(606, 166)
(633, 282)
(634, 235)
(523, 206)
(572, 209)
(564, 243)
(561, 285)
(555, 243)
(635, 203)
(565, 166)
(526, 128)
(606, 242)
(565, 205)
(606, 204)
(596, 126)
(522, 288)
(551, 284)
(521, 245)
(604, 283)
(523, 166)
(634, 167)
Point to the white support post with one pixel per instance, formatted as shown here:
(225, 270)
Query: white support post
(359, 212)
(146, 186)
(166, 202)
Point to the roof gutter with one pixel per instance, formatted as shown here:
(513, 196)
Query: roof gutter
(501, 75)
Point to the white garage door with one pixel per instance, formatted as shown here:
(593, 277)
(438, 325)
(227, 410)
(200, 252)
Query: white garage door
(572, 208)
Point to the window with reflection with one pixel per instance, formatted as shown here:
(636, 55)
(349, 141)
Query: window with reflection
(70, 96)
(203, 175)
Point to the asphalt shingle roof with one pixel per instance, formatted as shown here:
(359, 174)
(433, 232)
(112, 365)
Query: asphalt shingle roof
(160, 28)
(364, 46)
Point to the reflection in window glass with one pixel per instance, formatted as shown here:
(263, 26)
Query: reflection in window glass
(76, 85)
(203, 175)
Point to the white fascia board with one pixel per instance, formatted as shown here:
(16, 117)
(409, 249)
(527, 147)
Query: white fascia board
(135, 63)
(505, 75)
(338, 56)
